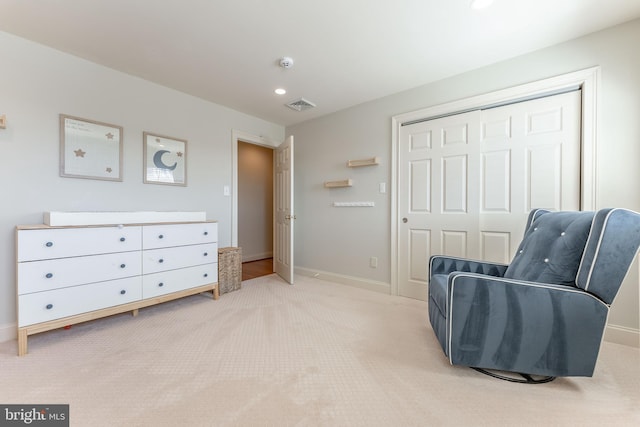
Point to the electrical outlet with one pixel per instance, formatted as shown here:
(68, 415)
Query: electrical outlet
(373, 262)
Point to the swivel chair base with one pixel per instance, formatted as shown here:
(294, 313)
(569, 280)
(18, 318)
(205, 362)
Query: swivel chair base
(526, 378)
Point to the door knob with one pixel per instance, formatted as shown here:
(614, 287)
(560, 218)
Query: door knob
(405, 220)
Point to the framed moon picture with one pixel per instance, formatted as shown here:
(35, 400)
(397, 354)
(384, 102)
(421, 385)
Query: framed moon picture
(90, 149)
(165, 160)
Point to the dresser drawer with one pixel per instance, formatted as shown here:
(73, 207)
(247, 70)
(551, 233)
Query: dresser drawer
(52, 243)
(37, 276)
(166, 235)
(166, 282)
(155, 260)
(50, 305)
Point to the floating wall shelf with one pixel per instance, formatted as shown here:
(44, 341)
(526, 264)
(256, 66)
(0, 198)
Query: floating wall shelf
(338, 184)
(364, 162)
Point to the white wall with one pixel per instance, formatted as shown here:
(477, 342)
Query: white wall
(339, 241)
(255, 201)
(38, 83)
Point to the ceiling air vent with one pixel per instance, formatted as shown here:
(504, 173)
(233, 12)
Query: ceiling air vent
(300, 104)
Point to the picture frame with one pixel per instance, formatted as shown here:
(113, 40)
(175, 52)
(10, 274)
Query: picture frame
(165, 160)
(90, 149)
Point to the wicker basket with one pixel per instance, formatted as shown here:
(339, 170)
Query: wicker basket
(229, 269)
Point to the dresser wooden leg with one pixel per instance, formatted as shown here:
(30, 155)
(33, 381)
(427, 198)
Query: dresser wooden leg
(134, 313)
(22, 342)
(216, 292)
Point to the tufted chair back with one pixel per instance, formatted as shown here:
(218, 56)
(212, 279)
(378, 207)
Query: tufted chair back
(581, 249)
(612, 245)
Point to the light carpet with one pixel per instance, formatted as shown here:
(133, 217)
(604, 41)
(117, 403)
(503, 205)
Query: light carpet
(312, 354)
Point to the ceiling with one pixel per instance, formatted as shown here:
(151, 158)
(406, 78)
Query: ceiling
(345, 52)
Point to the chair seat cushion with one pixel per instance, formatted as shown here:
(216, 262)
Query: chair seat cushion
(552, 248)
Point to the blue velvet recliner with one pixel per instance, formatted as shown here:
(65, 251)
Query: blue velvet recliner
(545, 313)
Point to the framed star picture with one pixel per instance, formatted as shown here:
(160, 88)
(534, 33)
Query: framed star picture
(90, 149)
(165, 160)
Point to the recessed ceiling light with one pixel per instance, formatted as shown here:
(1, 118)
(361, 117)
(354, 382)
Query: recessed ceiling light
(480, 4)
(280, 91)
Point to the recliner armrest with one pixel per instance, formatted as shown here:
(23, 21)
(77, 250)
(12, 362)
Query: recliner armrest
(440, 264)
(490, 319)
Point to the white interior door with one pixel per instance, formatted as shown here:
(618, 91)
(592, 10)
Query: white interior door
(467, 182)
(284, 216)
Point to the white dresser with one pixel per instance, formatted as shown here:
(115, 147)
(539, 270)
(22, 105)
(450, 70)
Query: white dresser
(68, 275)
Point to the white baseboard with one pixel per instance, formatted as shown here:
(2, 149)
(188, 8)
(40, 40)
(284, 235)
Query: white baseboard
(8, 332)
(371, 285)
(256, 257)
(622, 335)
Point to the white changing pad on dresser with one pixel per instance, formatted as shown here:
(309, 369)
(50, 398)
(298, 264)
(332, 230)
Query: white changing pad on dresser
(101, 218)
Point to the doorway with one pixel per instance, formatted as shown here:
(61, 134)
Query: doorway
(255, 209)
(283, 214)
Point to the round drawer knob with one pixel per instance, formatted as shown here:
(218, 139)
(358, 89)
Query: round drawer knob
(160, 236)
(206, 254)
(122, 292)
(122, 239)
(206, 275)
(160, 284)
(48, 244)
(49, 306)
(160, 260)
(49, 275)
(206, 233)
(122, 265)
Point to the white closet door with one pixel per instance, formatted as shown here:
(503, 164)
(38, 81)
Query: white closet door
(530, 159)
(438, 201)
(468, 181)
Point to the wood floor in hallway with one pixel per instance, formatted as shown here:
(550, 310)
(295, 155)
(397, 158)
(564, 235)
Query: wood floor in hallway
(253, 269)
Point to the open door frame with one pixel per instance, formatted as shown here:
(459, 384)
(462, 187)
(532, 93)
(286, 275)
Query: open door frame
(240, 136)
